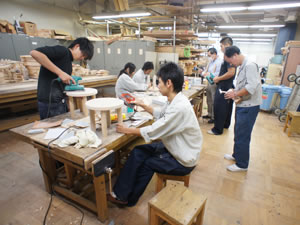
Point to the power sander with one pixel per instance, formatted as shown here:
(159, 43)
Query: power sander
(210, 78)
(73, 87)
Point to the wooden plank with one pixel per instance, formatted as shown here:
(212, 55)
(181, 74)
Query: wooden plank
(7, 124)
(77, 198)
(101, 201)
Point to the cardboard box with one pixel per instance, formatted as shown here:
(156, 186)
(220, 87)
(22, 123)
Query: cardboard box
(45, 33)
(30, 28)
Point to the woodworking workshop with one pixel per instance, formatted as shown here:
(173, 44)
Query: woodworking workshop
(154, 112)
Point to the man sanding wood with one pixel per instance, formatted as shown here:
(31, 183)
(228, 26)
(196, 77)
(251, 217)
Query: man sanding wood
(178, 151)
(56, 62)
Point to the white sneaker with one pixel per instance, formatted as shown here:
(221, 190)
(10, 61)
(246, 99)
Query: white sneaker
(229, 157)
(210, 132)
(235, 168)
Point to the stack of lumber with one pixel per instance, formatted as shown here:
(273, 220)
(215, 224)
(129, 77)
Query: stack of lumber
(31, 65)
(178, 49)
(180, 34)
(292, 44)
(188, 66)
(83, 72)
(11, 71)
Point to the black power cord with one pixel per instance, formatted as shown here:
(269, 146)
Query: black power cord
(53, 192)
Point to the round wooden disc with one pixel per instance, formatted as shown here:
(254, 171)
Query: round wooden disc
(104, 104)
(84, 93)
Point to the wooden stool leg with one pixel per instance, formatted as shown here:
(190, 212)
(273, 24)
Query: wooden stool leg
(187, 180)
(108, 118)
(93, 96)
(286, 122)
(160, 183)
(200, 217)
(72, 107)
(104, 123)
(92, 120)
(153, 218)
(83, 107)
(120, 117)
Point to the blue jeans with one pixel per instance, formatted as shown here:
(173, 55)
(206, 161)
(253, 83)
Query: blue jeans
(54, 110)
(137, 172)
(244, 121)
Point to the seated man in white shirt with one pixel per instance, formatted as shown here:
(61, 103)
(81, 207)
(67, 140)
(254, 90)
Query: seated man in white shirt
(178, 152)
(140, 76)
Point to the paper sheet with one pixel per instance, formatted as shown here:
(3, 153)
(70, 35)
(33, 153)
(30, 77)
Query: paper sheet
(54, 133)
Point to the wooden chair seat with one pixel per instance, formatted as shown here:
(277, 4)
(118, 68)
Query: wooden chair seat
(162, 180)
(177, 205)
(292, 122)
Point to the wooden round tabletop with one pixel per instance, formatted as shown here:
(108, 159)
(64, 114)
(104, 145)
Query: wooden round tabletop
(104, 104)
(84, 93)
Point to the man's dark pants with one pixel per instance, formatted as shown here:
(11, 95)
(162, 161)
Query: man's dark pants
(143, 162)
(245, 118)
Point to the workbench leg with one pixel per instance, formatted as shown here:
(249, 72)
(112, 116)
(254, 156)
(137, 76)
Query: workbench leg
(48, 169)
(92, 120)
(70, 173)
(101, 201)
(104, 123)
(72, 107)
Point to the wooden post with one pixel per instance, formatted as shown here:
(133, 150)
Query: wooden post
(72, 107)
(101, 201)
(83, 106)
(104, 123)
(92, 120)
(120, 116)
(48, 169)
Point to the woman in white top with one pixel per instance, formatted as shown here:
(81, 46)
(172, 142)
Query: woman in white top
(125, 83)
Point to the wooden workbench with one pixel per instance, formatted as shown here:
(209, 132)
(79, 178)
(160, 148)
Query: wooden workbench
(23, 96)
(78, 162)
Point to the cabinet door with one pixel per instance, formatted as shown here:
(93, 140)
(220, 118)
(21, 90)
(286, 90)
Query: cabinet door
(7, 50)
(97, 62)
(22, 45)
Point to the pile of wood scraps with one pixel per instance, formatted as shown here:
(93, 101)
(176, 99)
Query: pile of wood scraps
(180, 34)
(292, 44)
(11, 71)
(187, 66)
(31, 65)
(83, 72)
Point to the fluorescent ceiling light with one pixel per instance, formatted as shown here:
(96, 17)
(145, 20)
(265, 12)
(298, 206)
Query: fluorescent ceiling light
(251, 35)
(123, 15)
(251, 39)
(251, 26)
(254, 7)
(223, 9)
(274, 6)
(266, 26)
(255, 43)
(232, 27)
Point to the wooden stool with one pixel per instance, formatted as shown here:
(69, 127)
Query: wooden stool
(82, 96)
(177, 205)
(162, 180)
(104, 105)
(294, 126)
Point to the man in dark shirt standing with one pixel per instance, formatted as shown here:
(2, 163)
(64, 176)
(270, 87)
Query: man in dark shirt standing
(222, 106)
(56, 62)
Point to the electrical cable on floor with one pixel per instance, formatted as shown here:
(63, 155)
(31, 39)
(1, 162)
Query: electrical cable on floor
(52, 189)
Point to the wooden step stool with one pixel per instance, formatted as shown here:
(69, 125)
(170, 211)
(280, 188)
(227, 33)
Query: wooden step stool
(162, 180)
(177, 205)
(294, 126)
(82, 98)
